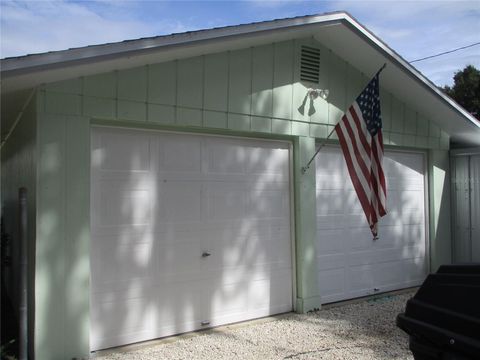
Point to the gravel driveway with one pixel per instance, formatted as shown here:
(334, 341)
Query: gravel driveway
(363, 330)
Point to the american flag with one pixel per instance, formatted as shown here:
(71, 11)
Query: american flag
(360, 135)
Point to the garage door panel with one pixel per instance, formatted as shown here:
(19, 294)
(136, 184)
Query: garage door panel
(125, 153)
(399, 163)
(268, 204)
(268, 250)
(226, 201)
(412, 233)
(176, 258)
(356, 241)
(175, 198)
(412, 217)
(415, 268)
(127, 207)
(270, 293)
(332, 261)
(411, 198)
(331, 222)
(388, 273)
(125, 263)
(226, 252)
(332, 283)
(136, 320)
(227, 299)
(342, 229)
(183, 155)
(224, 157)
(333, 242)
(180, 202)
(261, 160)
(360, 277)
(330, 202)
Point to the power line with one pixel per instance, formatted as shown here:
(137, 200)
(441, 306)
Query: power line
(446, 52)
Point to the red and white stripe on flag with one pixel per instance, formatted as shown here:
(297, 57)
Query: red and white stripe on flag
(363, 154)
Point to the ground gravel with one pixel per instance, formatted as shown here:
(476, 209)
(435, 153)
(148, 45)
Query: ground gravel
(363, 330)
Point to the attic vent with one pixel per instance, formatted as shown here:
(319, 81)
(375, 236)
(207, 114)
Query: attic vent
(309, 64)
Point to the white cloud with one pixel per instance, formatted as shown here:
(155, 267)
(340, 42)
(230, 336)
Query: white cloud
(33, 27)
(416, 29)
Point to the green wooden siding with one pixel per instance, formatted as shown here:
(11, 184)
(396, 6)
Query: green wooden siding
(250, 90)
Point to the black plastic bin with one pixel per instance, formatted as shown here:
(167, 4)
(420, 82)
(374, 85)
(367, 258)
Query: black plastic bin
(443, 318)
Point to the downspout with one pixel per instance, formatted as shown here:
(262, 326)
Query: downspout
(23, 303)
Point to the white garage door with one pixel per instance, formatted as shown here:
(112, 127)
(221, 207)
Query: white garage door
(351, 264)
(187, 232)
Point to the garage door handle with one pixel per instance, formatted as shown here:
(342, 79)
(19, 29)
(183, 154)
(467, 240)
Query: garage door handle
(206, 254)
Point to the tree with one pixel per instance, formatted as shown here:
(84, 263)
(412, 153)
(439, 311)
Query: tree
(466, 89)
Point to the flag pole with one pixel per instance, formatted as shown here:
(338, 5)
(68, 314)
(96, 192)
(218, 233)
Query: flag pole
(306, 167)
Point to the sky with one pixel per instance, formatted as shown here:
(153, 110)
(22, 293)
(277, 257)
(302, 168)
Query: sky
(414, 29)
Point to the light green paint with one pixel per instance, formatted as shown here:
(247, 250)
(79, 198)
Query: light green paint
(132, 84)
(252, 92)
(262, 80)
(215, 119)
(308, 295)
(283, 78)
(439, 205)
(216, 82)
(162, 83)
(62, 248)
(163, 114)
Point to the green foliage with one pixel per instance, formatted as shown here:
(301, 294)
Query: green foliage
(466, 89)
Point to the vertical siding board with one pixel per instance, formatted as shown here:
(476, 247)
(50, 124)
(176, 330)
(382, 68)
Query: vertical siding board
(240, 82)
(72, 86)
(99, 107)
(162, 84)
(163, 114)
(397, 116)
(131, 110)
(410, 124)
(262, 80)
(386, 108)
(77, 235)
(132, 84)
(283, 80)
(216, 82)
(337, 97)
(434, 130)
(190, 82)
(60, 103)
(50, 245)
(354, 84)
(422, 125)
(101, 85)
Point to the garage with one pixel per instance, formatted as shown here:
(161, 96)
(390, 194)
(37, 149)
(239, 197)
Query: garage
(350, 264)
(187, 232)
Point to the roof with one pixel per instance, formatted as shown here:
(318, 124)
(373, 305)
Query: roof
(338, 31)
